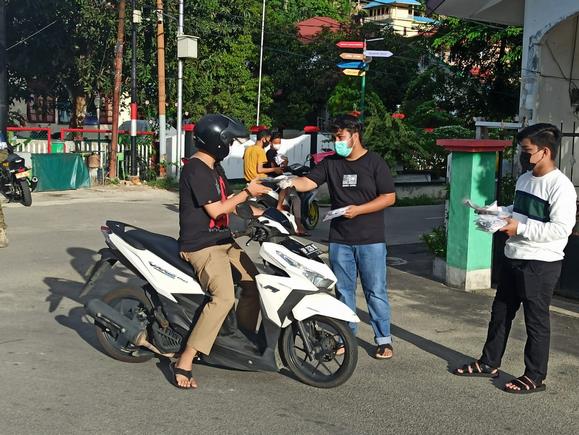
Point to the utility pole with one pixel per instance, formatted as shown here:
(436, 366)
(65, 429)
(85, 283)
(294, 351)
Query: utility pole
(260, 63)
(3, 108)
(136, 19)
(179, 91)
(161, 81)
(117, 89)
(3, 76)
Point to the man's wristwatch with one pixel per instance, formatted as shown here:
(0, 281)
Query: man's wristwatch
(246, 190)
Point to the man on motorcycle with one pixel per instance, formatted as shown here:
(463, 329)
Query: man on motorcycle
(276, 160)
(255, 160)
(205, 239)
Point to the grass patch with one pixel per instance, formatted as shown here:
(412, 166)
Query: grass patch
(166, 183)
(418, 200)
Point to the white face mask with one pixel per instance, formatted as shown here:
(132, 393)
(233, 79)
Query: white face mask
(276, 146)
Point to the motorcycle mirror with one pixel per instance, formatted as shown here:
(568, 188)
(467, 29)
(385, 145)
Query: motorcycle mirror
(244, 211)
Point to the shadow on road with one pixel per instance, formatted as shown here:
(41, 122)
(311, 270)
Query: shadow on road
(59, 289)
(172, 207)
(452, 357)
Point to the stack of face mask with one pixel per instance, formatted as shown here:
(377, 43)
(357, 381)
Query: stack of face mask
(490, 219)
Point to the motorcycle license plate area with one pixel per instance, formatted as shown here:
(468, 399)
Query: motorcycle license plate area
(311, 250)
(22, 174)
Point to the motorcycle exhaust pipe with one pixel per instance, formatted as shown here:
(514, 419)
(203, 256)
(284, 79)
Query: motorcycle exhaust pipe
(112, 319)
(33, 183)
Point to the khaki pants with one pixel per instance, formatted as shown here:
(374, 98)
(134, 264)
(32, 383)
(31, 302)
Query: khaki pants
(213, 268)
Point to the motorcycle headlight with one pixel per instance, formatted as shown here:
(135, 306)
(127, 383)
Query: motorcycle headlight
(314, 277)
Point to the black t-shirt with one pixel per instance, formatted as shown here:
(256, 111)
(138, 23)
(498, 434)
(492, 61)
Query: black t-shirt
(354, 183)
(200, 185)
(270, 154)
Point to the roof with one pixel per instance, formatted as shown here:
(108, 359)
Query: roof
(310, 28)
(509, 12)
(378, 3)
(424, 20)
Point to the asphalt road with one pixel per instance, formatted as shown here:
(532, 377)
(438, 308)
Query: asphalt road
(54, 378)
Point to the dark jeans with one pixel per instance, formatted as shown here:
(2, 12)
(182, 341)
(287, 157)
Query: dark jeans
(531, 283)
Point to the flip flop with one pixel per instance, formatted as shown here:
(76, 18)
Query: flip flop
(476, 369)
(177, 371)
(380, 351)
(526, 385)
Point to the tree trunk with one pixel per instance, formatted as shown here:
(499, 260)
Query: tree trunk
(78, 110)
(117, 89)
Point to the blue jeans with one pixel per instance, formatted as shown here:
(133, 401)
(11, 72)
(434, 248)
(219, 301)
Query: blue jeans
(347, 261)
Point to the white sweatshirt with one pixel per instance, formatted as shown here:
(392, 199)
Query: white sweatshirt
(546, 209)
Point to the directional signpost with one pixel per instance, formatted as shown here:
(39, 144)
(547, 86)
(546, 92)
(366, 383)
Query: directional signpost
(354, 72)
(377, 53)
(352, 56)
(357, 63)
(351, 44)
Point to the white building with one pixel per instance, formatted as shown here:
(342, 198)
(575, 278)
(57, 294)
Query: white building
(401, 15)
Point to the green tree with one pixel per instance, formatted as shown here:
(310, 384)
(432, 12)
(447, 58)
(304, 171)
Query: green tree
(71, 58)
(490, 53)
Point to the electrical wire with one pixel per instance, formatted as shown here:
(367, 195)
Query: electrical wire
(31, 36)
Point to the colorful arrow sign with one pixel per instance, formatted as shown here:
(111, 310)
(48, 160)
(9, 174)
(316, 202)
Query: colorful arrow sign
(378, 53)
(352, 56)
(351, 44)
(352, 65)
(354, 72)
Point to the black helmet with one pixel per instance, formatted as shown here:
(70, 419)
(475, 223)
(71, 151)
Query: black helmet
(215, 133)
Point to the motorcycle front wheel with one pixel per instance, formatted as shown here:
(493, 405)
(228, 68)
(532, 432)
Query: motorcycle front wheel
(312, 215)
(335, 352)
(131, 303)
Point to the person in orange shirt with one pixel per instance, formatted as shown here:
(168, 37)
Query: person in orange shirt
(255, 159)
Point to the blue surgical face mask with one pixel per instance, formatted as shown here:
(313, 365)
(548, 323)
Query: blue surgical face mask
(342, 148)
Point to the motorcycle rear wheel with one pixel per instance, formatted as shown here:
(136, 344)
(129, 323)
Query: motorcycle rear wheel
(129, 302)
(326, 335)
(25, 194)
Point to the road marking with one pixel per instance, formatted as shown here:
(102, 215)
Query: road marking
(432, 218)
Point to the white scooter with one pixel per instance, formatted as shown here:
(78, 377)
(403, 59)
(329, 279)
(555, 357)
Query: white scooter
(301, 321)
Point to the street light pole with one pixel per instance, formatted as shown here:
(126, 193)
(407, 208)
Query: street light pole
(260, 63)
(97, 103)
(3, 77)
(136, 19)
(179, 91)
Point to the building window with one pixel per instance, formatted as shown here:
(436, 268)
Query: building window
(40, 109)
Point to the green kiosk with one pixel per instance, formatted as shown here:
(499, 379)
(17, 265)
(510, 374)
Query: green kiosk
(473, 170)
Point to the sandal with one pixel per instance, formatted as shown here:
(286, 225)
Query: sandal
(381, 351)
(476, 369)
(177, 371)
(526, 386)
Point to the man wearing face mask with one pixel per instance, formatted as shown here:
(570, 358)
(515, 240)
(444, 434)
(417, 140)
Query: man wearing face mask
(255, 160)
(543, 216)
(360, 180)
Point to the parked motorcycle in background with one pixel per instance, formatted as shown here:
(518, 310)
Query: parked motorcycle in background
(16, 184)
(310, 209)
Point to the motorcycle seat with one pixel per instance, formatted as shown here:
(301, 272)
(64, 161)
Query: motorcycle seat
(165, 247)
(13, 157)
